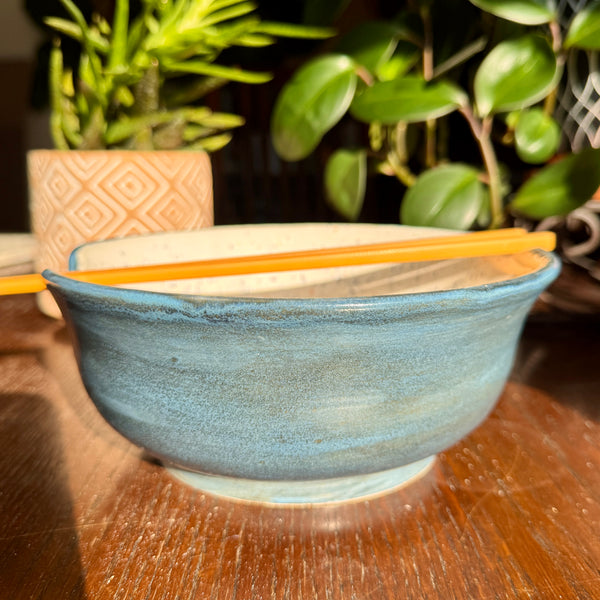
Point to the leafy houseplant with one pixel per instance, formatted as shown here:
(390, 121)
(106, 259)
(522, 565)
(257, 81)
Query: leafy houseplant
(139, 80)
(122, 115)
(409, 84)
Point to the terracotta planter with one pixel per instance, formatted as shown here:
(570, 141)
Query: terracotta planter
(82, 196)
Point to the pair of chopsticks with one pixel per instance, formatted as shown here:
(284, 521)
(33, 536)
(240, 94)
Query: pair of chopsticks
(482, 243)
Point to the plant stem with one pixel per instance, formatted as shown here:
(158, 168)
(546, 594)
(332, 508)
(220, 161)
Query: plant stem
(430, 143)
(427, 44)
(398, 138)
(118, 49)
(460, 57)
(401, 172)
(555, 32)
(179, 95)
(482, 132)
(364, 74)
(147, 102)
(56, 98)
(397, 155)
(93, 134)
(430, 124)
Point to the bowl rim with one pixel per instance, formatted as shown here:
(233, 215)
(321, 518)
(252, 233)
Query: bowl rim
(532, 282)
(127, 299)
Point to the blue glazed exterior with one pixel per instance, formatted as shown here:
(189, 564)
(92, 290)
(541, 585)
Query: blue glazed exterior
(296, 389)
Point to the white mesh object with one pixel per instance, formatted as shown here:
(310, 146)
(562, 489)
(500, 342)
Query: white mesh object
(578, 112)
(578, 108)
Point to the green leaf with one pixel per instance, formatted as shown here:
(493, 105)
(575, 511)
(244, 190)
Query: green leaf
(215, 17)
(408, 99)
(86, 40)
(136, 36)
(211, 144)
(223, 121)
(215, 4)
(404, 58)
(449, 196)
(526, 12)
(74, 31)
(124, 96)
(311, 103)
(346, 181)
(292, 30)
(560, 187)
(120, 130)
(515, 74)
(252, 40)
(537, 136)
(584, 31)
(370, 44)
(199, 67)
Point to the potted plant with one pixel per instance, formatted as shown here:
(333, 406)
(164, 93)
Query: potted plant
(120, 119)
(419, 90)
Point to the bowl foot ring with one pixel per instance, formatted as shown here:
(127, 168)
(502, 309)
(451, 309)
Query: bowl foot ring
(340, 489)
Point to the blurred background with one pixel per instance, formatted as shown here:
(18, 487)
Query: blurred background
(251, 183)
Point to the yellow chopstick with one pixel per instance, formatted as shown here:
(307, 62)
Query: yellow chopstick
(483, 243)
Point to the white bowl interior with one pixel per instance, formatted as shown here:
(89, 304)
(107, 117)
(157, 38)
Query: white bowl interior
(246, 240)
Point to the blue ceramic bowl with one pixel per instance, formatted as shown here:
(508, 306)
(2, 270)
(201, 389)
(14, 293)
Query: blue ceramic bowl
(301, 387)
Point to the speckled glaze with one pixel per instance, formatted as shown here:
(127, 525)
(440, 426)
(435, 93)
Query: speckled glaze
(298, 399)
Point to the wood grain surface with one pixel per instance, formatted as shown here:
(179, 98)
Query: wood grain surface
(512, 511)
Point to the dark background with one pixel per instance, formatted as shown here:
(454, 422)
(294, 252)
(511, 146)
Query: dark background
(251, 184)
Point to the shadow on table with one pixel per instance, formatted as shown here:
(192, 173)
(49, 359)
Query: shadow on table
(560, 356)
(38, 537)
(59, 360)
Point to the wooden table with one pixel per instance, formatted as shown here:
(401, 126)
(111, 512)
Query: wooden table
(512, 511)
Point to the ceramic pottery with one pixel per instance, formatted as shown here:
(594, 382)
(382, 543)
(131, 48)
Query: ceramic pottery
(81, 196)
(307, 386)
